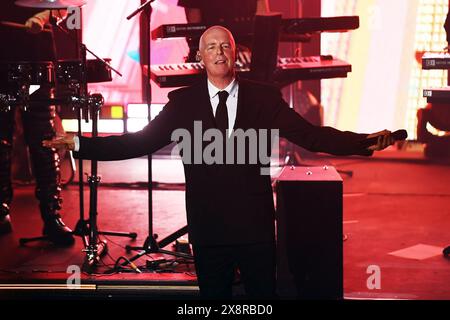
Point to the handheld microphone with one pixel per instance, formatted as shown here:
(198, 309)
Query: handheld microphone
(397, 135)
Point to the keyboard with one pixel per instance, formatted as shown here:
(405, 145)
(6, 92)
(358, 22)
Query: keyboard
(437, 95)
(289, 70)
(245, 27)
(439, 61)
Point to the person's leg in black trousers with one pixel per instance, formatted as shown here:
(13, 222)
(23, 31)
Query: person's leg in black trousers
(6, 191)
(215, 267)
(256, 263)
(38, 126)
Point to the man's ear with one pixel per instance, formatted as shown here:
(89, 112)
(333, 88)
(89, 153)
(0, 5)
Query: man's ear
(198, 57)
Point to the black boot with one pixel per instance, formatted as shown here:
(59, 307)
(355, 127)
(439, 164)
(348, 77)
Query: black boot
(5, 220)
(38, 126)
(54, 228)
(6, 191)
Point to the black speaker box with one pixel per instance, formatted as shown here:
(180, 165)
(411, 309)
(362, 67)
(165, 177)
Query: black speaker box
(309, 233)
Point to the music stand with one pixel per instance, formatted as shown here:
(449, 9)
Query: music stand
(150, 244)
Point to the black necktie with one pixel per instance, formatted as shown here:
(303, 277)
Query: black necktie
(221, 112)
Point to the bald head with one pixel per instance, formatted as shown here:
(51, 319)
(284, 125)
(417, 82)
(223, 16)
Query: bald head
(215, 29)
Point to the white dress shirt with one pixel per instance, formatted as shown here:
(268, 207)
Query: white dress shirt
(232, 101)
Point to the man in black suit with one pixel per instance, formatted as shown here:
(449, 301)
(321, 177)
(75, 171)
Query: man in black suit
(230, 209)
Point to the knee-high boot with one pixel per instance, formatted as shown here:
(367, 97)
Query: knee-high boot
(38, 126)
(6, 191)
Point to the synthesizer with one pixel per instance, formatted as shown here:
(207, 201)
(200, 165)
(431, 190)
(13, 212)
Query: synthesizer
(289, 70)
(436, 61)
(245, 27)
(437, 95)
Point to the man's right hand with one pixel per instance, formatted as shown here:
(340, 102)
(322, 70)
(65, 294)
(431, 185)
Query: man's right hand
(65, 142)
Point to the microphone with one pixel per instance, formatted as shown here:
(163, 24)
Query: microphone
(397, 135)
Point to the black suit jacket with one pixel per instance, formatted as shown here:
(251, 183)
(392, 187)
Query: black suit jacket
(225, 204)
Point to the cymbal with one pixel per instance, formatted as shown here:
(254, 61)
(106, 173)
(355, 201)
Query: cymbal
(50, 4)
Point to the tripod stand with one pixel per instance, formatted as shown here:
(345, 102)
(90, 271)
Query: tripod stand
(150, 244)
(87, 229)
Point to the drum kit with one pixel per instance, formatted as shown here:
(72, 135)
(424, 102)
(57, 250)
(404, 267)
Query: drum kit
(18, 77)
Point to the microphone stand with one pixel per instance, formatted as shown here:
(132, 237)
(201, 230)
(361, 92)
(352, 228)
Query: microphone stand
(150, 244)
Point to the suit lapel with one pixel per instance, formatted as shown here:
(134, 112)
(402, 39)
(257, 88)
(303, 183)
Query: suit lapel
(206, 114)
(242, 105)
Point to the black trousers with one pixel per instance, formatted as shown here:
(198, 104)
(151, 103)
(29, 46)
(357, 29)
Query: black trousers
(216, 265)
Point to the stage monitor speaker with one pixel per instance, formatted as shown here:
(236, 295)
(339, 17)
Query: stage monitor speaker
(309, 233)
(265, 46)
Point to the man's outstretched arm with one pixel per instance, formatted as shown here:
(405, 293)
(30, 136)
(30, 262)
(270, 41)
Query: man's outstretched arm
(154, 136)
(323, 139)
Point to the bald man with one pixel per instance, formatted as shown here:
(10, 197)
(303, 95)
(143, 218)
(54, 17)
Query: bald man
(230, 209)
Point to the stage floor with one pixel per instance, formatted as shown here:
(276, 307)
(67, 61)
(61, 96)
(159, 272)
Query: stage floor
(396, 217)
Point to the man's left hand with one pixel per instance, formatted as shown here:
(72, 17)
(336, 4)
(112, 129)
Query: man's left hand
(384, 140)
